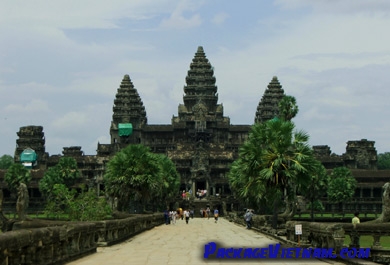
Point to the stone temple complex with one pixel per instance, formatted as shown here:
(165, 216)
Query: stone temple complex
(200, 140)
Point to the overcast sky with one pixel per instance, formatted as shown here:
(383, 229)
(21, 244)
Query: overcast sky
(61, 63)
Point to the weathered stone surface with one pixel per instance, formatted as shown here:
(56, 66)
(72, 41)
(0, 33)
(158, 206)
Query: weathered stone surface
(67, 240)
(22, 202)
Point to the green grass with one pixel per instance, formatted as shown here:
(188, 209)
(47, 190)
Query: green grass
(367, 241)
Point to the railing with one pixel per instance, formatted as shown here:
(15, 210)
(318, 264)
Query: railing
(332, 235)
(325, 235)
(59, 244)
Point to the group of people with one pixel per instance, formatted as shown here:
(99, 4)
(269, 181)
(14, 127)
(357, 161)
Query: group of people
(206, 213)
(171, 216)
(200, 194)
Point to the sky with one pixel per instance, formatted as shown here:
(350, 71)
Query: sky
(61, 63)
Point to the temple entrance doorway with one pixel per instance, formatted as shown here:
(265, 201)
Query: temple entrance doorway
(201, 185)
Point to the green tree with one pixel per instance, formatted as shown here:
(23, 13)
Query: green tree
(341, 186)
(6, 161)
(65, 172)
(288, 108)
(16, 174)
(316, 188)
(384, 161)
(170, 179)
(134, 173)
(84, 206)
(275, 157)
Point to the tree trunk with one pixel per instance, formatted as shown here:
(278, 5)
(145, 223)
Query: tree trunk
(275, 214)
(312, 210)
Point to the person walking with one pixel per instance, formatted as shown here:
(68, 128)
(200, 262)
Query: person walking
(216, 213)
(208, 212)
(248, 218)
(187, 215)
(166, 217)
(173, 217)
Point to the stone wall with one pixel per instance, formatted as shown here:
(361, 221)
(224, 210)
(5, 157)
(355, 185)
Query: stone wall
(66, 242)
(323, 235)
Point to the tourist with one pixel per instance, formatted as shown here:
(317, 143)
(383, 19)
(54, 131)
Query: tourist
(173, 217)
(187, 215)
(216, 213)
(192, 213)
(355, 219)
(166, 216)
(208, 212)
(248, 218)
(198, 194)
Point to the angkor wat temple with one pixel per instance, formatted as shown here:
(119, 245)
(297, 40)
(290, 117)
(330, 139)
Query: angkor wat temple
(200, 140)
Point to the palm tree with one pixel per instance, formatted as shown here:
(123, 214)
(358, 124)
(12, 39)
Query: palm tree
(170, 179)
(275, 158)
(133, 173)
(288, 108)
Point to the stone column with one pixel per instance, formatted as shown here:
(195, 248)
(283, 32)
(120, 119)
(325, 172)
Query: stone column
(194, 191)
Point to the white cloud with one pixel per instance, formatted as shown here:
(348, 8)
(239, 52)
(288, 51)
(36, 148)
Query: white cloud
(338, 6)
(335, 60)
(220, 18)
(179, 20)
(30, 108)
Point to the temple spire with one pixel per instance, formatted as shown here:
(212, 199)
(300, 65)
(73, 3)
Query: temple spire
(200, 83)
(268, 107)
(128, 106)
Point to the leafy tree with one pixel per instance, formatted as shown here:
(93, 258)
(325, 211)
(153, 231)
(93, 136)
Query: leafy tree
(65, 172)
(85, 206)
(134, 173)
(16, 174)
(60, 199)
(384, 161)
(275, 157)
(89, 207)
(341, 185)
(170, 179)
(6, 161)
(316, 187)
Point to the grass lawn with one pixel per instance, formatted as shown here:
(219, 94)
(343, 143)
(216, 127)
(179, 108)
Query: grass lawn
(367, 241)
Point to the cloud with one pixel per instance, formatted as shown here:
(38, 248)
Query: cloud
(220, 18)
(179, 20)
(30, 108)
(338, 6)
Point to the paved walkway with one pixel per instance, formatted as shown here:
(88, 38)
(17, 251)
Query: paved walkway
(184, 244)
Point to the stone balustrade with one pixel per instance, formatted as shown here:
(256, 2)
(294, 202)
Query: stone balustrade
(332, 235)
(325, 235)
(317, 235)
(65, 242)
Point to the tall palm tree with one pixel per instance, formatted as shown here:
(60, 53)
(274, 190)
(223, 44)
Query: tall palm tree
(133, 173)
(275, 158)
(288, 108)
